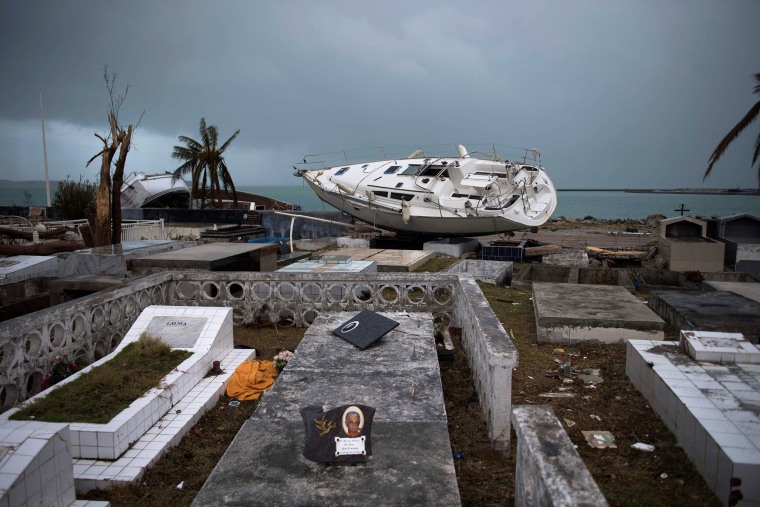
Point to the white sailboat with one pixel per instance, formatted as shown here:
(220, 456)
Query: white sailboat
(141, 190)
(469, 194)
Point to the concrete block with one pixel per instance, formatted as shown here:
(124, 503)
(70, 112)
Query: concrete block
(603, 313)
(549, 470)
(576, 258)
(453, 247)
(495, 272)
(344, 242)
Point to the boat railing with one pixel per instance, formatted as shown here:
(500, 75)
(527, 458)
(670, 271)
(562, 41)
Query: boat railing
(495, 152)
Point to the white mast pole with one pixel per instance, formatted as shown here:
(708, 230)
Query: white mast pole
(44, 150)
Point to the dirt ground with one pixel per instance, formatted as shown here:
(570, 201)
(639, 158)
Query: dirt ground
(626, 476)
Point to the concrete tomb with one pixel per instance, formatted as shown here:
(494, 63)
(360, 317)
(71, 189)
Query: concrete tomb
(708, 311)
(604, 313)
(411, 461)
(211, 257)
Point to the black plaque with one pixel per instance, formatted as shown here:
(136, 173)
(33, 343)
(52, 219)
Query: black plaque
(365, 328)
(340, 435)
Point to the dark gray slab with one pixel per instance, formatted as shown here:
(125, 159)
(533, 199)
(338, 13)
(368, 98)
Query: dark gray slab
(413, 395)
(211, 257)
(411, 462)
(709, 311)
(364, 328)
(573, 312)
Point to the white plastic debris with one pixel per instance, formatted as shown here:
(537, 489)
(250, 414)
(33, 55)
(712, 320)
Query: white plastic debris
(180, 485)
(643, 447)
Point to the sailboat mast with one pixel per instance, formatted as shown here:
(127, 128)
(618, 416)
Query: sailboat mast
(44, 150)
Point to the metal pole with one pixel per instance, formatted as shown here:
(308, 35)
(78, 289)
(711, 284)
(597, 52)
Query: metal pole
(44, 150)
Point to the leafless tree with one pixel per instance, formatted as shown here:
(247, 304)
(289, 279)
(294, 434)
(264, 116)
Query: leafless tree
(108, 200)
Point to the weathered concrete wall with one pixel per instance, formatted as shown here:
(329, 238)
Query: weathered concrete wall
(495, 272)
(94, 325)
(549, 470)
(492, 357)
(279, 225)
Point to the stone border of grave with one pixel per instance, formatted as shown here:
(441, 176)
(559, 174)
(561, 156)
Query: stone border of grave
(110, 440)
(94, 326)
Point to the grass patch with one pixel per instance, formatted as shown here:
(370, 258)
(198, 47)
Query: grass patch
(100, 394)
(436, 264)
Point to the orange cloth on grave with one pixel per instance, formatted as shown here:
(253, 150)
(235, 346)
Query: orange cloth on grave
(250, 379)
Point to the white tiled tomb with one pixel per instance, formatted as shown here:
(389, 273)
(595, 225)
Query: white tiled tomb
(120, 450)
(712, 407)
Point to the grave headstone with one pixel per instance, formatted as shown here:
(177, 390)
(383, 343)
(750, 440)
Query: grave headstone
(178, 332)
(340, 435)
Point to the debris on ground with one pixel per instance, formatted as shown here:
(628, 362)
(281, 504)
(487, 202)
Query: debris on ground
(643, 447)
(600, 439)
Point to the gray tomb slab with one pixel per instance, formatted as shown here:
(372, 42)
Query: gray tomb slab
(709, 311)
(411, 461)
(179, 332)
(610, 314)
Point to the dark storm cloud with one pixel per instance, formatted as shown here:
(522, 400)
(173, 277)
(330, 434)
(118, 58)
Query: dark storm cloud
(633, 94)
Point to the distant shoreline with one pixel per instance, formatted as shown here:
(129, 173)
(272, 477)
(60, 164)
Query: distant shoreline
(695, 191)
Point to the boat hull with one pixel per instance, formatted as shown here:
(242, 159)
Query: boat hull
(154, 191)
(439, 196)
(392, 220)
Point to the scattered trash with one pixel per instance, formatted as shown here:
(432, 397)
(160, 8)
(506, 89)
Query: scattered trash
(643, 447)
(567, 370)
(590, 386)
(567, 381)
(565, 388)
(557, 395)
(530, 377)
(569, 423)
(663, 475)
(558, 351)
(457, 455)
(234, 404)
(600, 439)
(180, 485)
(596, 417)
(591, 378)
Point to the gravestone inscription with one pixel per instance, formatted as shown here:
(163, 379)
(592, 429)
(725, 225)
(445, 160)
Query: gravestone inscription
(178, 332)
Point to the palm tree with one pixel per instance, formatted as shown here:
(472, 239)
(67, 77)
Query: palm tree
(204, 161)
(751, 116)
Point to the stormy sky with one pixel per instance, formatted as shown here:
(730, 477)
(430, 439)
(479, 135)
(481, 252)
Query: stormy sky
(632, 94)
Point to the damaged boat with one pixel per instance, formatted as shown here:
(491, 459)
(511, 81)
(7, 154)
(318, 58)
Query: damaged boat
(467, 194)
(141, 190)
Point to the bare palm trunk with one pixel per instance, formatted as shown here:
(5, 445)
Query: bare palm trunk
(102, 231)
(118, 179)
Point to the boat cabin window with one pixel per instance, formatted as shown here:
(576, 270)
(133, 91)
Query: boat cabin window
(402, 197)
(399, 184)
(483, 173)
(341, 171)
(412, 169)
(365, 168)
(433, 170)
(392, 169)
(466, 196)
(381, 194)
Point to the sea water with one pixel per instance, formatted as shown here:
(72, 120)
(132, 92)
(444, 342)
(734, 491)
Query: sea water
(570, 204)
